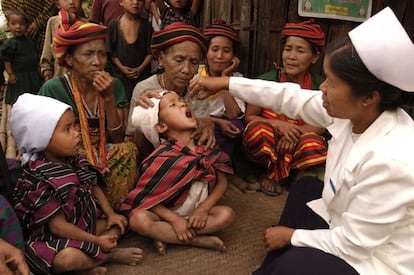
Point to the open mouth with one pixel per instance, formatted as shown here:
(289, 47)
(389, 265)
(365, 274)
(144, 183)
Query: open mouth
(188, 113)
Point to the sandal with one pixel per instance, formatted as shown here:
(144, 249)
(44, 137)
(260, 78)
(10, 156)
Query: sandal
(270, 187)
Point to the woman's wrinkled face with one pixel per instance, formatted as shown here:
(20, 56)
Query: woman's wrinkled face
(219, 55)
(88, 58)
(180, 63)
(297, 56)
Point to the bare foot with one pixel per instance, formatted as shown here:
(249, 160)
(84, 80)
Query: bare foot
(211, 242)
(160, 247)
(129, 256)
(98, 270)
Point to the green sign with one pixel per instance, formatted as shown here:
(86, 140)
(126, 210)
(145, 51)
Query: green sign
(351, 10)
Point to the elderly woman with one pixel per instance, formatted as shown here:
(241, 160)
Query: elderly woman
(279, 142)
(98, 101)
(179, 49)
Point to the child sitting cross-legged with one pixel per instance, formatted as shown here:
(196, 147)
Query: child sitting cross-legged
(175, 200)
(68, 224)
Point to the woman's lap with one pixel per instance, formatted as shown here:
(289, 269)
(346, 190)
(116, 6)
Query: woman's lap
(304, 260)
(122, 162)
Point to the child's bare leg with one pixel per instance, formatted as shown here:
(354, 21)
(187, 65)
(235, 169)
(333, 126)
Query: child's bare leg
(219, 217)
(128, 255)
(148, 224)
(73, 259)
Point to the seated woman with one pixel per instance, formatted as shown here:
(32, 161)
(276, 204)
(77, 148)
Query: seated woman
(98, 101)
(275, 140)
(363, 217)
(179, 49)
(226, 111)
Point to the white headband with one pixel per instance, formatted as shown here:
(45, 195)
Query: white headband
(145, 119)
(33, 120)
(386, 50)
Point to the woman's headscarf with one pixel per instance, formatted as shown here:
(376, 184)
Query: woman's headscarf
(308, 30)
(176, 33)
(73, 32)
(221, 28)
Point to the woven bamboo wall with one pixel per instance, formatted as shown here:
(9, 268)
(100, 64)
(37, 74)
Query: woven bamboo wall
(259, 23)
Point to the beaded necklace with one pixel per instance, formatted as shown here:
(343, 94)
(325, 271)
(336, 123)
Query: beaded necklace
(96, 159)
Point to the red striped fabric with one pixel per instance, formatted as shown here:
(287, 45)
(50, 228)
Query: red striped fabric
(167, 175)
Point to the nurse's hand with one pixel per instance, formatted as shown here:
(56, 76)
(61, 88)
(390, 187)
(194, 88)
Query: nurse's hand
(203, 87)
(277, 237)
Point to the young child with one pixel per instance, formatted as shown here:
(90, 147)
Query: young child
(20, 57)
(67, 221)
(179, 11)
(128, 44)
(104, 11)
(175, 198)
(49, 67)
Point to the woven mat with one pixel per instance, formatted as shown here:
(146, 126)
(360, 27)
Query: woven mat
(243, 240)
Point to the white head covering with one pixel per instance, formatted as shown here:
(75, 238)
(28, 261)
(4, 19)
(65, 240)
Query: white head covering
(33, 120)
(145, 119)
(386, 49)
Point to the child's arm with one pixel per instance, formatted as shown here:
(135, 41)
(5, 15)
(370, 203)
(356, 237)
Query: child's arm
(46, 58)
(12, 77)
(112, 217)
(155, 10)
(178, 223)
(62, 229)
(198, 218)
(195, 6)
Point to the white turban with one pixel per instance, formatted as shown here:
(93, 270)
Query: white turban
(145, 119)
(33, 120)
